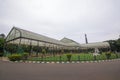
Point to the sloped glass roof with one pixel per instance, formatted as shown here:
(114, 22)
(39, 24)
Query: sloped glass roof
(34, 36)
(70, 42)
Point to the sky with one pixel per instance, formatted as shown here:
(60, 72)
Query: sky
(99, 19)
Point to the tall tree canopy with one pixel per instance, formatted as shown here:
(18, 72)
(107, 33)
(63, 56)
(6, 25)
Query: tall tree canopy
(115, 45)
(2, 40)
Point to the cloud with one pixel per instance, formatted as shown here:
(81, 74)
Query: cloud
(63, 18)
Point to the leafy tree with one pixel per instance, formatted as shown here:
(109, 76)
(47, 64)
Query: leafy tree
(12, 48)
(2, 40)
(115, 45)
(118, 45)
(2, 35)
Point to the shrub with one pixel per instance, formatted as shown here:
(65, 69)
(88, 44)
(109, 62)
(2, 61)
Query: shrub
(24, 56)
(1, 54)
(69, 57)
(15, 57)
(108, 55)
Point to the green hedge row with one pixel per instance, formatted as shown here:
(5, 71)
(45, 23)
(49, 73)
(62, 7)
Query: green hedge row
(64, 57)
(18, 57)
(76, 57)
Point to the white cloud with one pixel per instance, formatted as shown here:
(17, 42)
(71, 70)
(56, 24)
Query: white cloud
(58, 18)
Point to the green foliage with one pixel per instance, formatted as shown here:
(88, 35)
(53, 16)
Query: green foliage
(43, 51)
(15, 57)
(1, 54)
(1, 45)
(115, 45)
(36, 48)
(26, 48)
(69, 57)
(25, 56)
(108, 55)
(19, 49)
(76, 57)
(2, 41)
(12, 48)
(18, 57)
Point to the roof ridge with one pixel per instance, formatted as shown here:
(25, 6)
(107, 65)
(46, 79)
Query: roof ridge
(52, 39)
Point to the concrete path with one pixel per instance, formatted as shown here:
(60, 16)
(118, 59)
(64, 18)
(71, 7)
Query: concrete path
(81, 71)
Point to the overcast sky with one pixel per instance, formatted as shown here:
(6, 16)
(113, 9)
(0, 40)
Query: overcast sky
(99, 19)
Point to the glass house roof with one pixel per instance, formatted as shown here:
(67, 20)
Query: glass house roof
(17, 33)
(32, 36)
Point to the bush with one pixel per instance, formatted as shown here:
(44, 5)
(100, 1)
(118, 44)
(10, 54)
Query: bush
(24, 56)
(1, 54)
(69, 57)
(108, 55)
(15, 57)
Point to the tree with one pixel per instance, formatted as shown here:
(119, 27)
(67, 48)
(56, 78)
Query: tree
(118, 45)
(12, 48)
(2, 36)
(115, 45)
(1, 46)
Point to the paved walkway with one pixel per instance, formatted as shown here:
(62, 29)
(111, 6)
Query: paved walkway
(4, 59)
(81, 71)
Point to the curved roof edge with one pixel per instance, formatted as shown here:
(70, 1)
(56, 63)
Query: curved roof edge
(96, 45)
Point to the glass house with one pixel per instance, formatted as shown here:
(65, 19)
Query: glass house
(23, 38)
(34, 43)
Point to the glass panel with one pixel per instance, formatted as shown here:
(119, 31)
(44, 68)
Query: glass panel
(17, 41)
(34, 43)
(14, 34)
